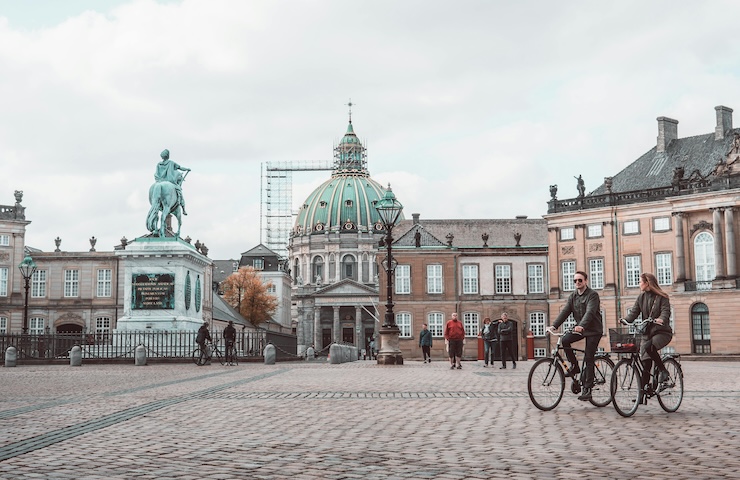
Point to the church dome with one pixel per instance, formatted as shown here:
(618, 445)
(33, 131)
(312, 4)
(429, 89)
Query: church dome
(346, 202)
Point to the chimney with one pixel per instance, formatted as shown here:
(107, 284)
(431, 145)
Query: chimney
(667, 131)
(415, 216)
(724, 122)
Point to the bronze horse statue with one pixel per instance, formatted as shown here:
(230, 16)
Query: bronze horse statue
(163, 198)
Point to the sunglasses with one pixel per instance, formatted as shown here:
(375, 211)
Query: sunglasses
(578, 280)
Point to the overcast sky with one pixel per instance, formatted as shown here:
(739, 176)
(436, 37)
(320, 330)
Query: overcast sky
(470, 109)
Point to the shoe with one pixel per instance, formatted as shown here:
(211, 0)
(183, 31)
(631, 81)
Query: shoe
(459, 367)
(663, 376)
(502, 368)
(586, 395)
(485, 365)
(452, 367)
(514, 364)
(572, 372)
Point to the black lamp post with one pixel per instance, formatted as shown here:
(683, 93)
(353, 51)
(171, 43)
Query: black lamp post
(389, 209)
(27, 267)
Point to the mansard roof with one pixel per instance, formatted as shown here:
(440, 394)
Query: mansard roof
(469, 233)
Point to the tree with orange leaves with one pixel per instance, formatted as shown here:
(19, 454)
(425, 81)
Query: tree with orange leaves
(245, 291)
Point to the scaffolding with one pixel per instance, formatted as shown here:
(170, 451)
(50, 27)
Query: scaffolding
(277, 199)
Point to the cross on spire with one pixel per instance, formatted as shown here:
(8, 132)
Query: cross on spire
(350, 109)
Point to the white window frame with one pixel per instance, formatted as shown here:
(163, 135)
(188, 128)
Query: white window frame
(631, 227)
(4, 281)
(403, 321)
(471, 323)
(38, 284)
(567, 273)
(632, 270)
(470, 279)
(436, 324)
(537, 323)
(596, 273)
(434, 278)
(71, 283)
(567, 233)
(4, 240)
(105, 282)
(102, 329)
(258, 263)
(3, 325)
(536, 278)
(403, 279)
(664, 268)
(661, 224)
(540, 352)
(595, 230)
(502, 273)
(704, 261)
(36, 326)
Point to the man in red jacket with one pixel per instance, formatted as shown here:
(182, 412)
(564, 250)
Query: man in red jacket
(455, 336)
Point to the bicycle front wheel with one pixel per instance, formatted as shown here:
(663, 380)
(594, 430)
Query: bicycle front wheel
(625, 388)
(199, 357)
(546, 384)
(601, 393)
(670, 393)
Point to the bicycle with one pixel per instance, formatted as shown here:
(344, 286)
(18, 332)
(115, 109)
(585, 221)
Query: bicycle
(546, 381)
(626, 383)
(231, 357)
(201, 356)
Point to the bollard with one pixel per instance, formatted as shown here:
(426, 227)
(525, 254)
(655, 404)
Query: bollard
(335, 353)
(270, 354)
(11, 356)
(75, 356)
(310, 354)
(140, 356)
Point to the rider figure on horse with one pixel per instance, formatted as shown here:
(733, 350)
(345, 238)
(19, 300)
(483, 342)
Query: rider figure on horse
(167, 171)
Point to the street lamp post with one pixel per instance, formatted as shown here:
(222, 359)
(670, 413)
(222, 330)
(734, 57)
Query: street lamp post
(27, 267)
(389, 209)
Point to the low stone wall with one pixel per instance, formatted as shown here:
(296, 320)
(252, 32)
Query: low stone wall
(342, 353)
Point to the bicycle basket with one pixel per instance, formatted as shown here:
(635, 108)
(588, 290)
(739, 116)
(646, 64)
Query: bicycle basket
(622, 341)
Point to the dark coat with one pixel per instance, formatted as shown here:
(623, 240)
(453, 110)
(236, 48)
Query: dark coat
(506, 331)
(203, 334)
(492, 332)
(652, 306)
(586, 310)
(230, 333)
(425, 338)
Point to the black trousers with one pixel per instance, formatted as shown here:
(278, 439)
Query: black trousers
(589, 353)
(426, 351)
(506, 346)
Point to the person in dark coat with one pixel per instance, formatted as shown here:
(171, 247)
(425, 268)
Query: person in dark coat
(488, 333)
(652, 303)
(230, 340)
(505, 339)
(203, 335)
(425, 342)
(585, 305)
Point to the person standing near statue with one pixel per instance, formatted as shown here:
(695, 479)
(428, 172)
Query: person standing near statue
(425, 342)
(167, 171)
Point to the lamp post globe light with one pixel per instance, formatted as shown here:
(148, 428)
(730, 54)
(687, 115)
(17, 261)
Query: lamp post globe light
(27, 268)
(389, 209)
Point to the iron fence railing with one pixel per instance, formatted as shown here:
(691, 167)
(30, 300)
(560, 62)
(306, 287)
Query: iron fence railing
(161, 345)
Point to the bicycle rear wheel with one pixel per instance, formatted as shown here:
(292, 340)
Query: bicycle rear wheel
(625, 388)
(546, 384)
(601, 393)
(670, 393)
(217, 354)
(199, 357)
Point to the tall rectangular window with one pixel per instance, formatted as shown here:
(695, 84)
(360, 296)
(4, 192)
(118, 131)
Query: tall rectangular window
(471, 323)
(537, 323)
(568, 272)
(3, 281)
(38, 284)
(503, 279)
(71, 283)
(663, 270)
(258, 264)
(434, 278)
(470, 279)
(567, 233)
(403, 320)
(102, 329)
(536, 278)
(596, 273)
(403, 279)
(436, 324)
(4, 240)
(661, 224)
(595, 230)
(631, 227)
(632, 270)
(36, 326)
(104, 282)
(3, 325)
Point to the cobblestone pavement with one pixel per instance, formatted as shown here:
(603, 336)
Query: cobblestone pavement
(350, 421)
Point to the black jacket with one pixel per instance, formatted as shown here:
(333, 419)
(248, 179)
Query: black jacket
(506, 331)
(586, 310)
(492, 332)
(230, 333)
(203, 334)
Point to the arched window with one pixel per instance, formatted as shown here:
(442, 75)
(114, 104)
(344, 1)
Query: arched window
(349, 269)
(700, 328)
(704, 260)
(318, 269)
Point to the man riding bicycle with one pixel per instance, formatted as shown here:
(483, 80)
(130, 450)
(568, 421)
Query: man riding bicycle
(584, 304)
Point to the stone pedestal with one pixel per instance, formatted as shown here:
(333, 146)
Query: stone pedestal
(390, 352)
(167, 283)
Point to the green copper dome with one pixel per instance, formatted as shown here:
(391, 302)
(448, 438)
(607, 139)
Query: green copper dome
(346, 202)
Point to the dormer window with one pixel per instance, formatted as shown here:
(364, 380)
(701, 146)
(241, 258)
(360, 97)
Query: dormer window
(322, 204)
(258, 264)
(235, 266)
(348, 203)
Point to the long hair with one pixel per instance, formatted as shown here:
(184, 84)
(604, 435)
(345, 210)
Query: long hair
(652, 283)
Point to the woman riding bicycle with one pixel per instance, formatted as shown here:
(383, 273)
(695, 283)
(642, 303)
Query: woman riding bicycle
(652, 303)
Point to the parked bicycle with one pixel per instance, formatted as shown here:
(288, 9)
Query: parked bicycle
(546, 382)
(626, 383)
(201, 356)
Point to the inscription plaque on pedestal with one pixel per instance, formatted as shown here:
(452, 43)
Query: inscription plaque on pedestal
(152, 291)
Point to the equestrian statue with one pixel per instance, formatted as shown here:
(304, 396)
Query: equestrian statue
(165, 195)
